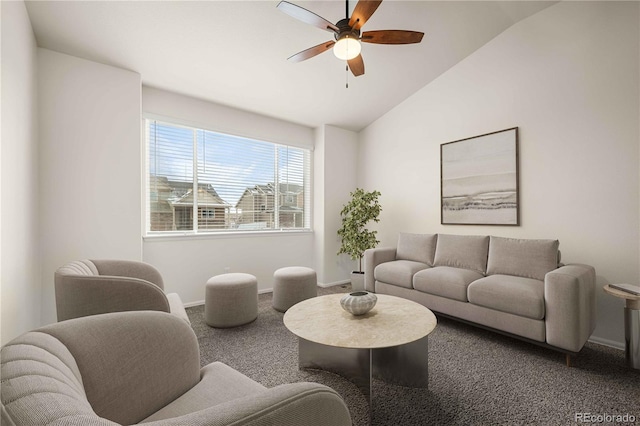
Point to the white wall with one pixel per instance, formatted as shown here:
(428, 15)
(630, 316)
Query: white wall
(20, 260)
(568, 77)
(187, 263)
(90, 164)
(335, 173)
(224, 119)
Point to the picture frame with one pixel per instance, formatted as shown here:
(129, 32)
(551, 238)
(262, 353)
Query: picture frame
(479, 180)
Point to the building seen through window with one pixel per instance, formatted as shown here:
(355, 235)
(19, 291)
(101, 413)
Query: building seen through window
(202, 181)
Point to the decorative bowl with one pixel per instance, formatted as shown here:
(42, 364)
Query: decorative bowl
(359, 302)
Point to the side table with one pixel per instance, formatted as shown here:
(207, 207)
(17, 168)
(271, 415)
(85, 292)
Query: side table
(631, 325)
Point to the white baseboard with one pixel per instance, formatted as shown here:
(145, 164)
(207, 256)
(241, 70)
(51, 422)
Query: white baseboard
(606, 342)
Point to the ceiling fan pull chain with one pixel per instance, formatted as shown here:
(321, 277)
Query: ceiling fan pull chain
(346, 69)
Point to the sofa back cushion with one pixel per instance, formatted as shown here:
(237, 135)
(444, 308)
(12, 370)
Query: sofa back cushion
(462, 251)
(41, 383)
(523, 258)
(130, 269)
(132, 363)
(78, 267)
(416, 247)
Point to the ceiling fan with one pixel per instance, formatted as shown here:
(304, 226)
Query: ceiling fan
(347, 33)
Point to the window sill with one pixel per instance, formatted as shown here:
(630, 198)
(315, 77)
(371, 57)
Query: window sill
(175, 236)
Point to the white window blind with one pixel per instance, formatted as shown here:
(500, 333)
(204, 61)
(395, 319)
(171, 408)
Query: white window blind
(203, 181)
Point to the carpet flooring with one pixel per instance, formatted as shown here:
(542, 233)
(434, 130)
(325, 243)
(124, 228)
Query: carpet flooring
(476, 377)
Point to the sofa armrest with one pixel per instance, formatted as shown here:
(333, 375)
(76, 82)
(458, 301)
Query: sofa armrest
(176, 307)
(570, 304)
(372, 258)
(309, 404)
(82, 295)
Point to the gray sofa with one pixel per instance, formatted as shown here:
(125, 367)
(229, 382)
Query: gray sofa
(514, 286)
(143, 367)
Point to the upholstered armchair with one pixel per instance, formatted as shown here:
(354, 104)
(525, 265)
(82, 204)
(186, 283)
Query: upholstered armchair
(143, 367)
(90, 287)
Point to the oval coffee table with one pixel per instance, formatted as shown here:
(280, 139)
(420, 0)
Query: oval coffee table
(389, 342)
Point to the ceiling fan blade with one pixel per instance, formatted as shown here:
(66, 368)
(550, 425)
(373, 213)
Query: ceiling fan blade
(392, 37)
(306, 16)
(362, 12)
(356, 65)
(312, 51)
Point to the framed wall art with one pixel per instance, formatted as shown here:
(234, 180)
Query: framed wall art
(479, 180)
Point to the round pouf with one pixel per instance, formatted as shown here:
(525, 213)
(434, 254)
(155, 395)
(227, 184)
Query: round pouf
(293, 284)
(231, 300)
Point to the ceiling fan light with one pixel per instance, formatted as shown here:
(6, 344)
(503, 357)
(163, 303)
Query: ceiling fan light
(346, 48)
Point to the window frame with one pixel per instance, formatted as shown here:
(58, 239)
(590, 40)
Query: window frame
(147, 119)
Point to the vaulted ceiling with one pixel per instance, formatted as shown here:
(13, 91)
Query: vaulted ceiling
(235, 52)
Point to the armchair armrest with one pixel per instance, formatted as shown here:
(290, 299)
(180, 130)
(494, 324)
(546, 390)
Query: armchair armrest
(129, 268)
(372, 258)
(570, 304)
(83, 295)
(295, 404)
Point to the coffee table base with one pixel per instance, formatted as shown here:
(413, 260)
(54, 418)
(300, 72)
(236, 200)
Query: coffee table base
(404, 365)
(632, 337)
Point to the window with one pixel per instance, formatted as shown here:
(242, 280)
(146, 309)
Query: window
(203, 181)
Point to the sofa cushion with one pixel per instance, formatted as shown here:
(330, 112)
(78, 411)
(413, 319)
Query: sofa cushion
(462, 251)
(398, 272)
(416, 247)
(508, 293)
(445, 281)
(524, 258)
(219, 384)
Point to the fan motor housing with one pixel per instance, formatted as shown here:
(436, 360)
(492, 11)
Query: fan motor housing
(346, 30)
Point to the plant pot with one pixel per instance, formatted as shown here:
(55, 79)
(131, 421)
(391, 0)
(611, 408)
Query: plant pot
(357, 281)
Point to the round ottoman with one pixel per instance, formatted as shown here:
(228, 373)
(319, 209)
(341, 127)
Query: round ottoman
(293, 284)
(231, 300)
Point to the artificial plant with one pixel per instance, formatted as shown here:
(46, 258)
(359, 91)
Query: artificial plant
(356, 214)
